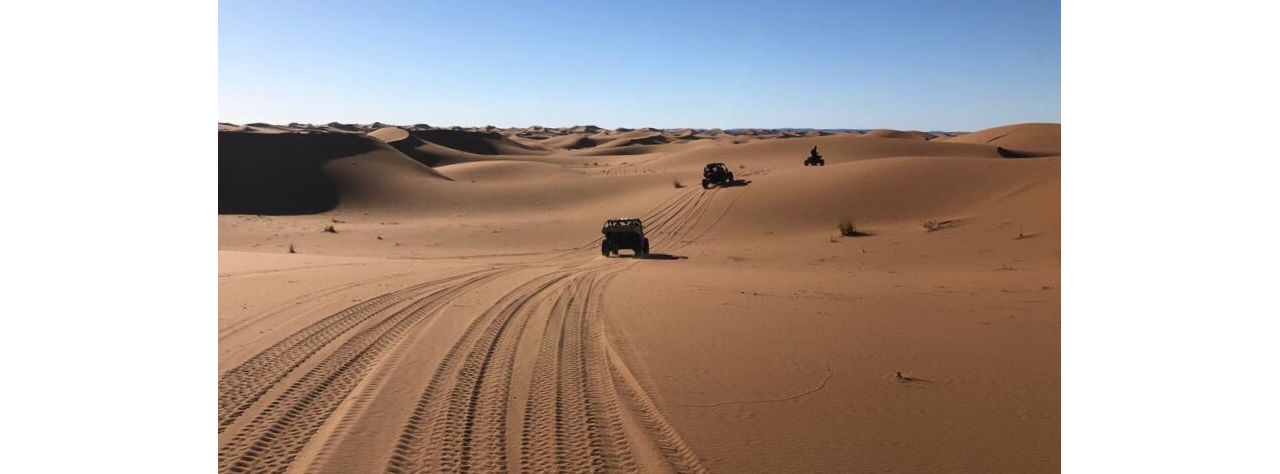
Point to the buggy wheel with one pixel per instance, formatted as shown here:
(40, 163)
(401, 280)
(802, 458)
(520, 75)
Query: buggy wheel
(806, 162)
(644, 247)
(604, 248)
(705, 184)
(822, 163)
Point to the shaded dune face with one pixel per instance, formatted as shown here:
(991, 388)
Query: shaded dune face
(480, 143)
(280, 174)
(570, 142)
(908, 135)
(1026, 140)
(436, 147)
(310, 173)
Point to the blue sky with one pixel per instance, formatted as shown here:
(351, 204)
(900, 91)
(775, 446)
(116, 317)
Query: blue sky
(922, 65)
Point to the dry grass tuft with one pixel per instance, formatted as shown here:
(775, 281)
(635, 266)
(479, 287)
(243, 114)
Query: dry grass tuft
(934, 226)
(849, 229)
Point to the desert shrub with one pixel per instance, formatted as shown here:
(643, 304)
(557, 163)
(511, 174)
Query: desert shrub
(849, 229)
(330, 229)
(933, 226)
(677, 183)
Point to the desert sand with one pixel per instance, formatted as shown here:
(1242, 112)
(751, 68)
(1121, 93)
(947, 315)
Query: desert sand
(416, 299)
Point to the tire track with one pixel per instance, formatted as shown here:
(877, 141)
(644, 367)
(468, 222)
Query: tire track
(459, 422)
(290, 269)
(243, 385)
(664, 217)
(669, 442)
(572, 419)
(587, 431)
(271, 441)
(243, 324)
(621, 169)
(679, 225)
(713, 224)
(577, 437)
(584, 410)
(606, 407)
(669, 231)
(662, 208)
(538, 450)
(587, 428)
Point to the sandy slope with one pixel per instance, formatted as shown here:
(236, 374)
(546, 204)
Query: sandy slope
(470, 323)
(1039, 138)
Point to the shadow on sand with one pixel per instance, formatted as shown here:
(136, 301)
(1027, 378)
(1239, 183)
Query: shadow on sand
(654, 256)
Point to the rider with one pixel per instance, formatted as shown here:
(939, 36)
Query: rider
(814, 152)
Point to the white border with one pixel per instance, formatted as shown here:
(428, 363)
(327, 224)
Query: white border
(109, 205)
(1169, 333)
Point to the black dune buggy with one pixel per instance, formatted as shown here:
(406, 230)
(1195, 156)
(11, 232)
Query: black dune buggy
(624, 234)
(716, 173)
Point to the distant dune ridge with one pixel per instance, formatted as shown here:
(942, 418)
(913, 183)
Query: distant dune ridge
(282, 169)
(922, 136)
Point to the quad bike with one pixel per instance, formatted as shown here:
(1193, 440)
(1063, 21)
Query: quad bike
(625, 233)
(716, 173)
(814, 160)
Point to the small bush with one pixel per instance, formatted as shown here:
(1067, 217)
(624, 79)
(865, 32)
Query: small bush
(291, 249)
(934, 226)
(677, 183)
(848, 229)
(330, 229)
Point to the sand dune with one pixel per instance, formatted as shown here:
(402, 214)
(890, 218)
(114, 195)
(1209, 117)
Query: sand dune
(475, 142)
(290, 173)
(390, 135)
(639, 137)
(570, 141)
(1031, 138)
(911, 135)
(434, 147)
(768, 154)
(471, 323)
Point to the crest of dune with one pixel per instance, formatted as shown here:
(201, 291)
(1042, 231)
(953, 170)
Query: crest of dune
(1034, 138)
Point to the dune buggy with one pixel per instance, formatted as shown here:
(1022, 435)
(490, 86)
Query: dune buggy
(716, 173)
(626, 233)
